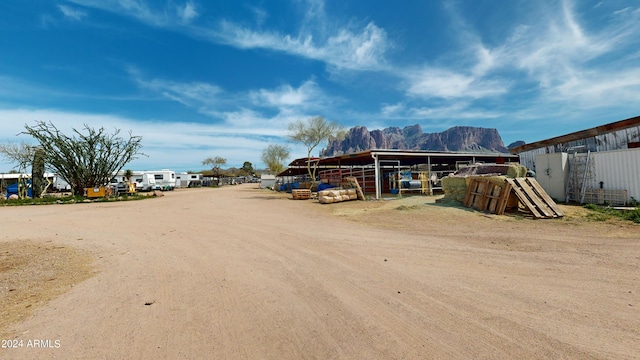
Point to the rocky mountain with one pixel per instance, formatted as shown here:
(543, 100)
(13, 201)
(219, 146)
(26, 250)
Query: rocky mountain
(515, 144)
(459, 138)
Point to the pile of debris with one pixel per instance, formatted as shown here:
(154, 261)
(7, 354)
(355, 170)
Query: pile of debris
(455, 185)
(498, 188)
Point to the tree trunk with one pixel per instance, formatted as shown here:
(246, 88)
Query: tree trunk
(37, 173)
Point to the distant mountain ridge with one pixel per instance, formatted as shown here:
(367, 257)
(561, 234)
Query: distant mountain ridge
(458, 138)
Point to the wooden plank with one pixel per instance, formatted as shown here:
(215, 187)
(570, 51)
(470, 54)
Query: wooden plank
(474, 189)
(483, 195)
(544, 199)
(504, 197)
(543, 194)
(533, 196)
(524, 199)
(535, 199)
(469, 194)
(494, 198)
(478, 194)
(354, 182)
(484, 199)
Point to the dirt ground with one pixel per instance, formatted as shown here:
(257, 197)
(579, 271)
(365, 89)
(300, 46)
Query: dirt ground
(243, 273)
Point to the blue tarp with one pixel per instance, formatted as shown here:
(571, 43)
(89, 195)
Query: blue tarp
(289, 186)
(13, 190)
(323, 186)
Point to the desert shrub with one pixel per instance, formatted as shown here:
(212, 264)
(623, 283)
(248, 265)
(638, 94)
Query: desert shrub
(603, 213)
(633, 215)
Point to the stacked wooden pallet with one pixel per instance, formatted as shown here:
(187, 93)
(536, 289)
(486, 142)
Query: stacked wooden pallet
(495, 196)
(485, 194)
(301, 194)
(534, 198)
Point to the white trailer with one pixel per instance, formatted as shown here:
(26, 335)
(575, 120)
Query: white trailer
(145, 182)
(165, 178)
(148, 180)
(60, 184)
(188, 180)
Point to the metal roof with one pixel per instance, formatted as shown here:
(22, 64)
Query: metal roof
(406, 158)
(578, 135)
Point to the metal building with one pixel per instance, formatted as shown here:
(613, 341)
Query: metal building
(598, 165)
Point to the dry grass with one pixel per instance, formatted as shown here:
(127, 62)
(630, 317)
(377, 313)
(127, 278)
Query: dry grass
(31, 274)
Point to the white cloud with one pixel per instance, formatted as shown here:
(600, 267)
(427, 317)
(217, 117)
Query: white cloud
(188, 12)
(553, 50)
(594, 89)
(169, 144)
(138, 9)
(344, 46)
(231, 108)
(559, 47)
(456, 111)
(447, 84)
(391, 110)
(72, 13)
(185, 93)
(286, 96)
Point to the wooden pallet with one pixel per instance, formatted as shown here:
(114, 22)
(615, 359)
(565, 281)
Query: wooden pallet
(353, 182)
(486, 196)
(534, 198)
(301, 194)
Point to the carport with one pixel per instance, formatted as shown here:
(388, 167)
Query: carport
(371, 166)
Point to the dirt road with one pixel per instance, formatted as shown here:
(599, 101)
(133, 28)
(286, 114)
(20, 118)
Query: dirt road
(243, 273)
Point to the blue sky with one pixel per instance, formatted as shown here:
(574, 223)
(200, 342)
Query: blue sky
(199, 78)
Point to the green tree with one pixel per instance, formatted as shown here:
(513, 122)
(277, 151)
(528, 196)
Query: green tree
(216, 164)
(85, 159)
(274, 156)
(311, 133)
(128, 174)
(247, 169)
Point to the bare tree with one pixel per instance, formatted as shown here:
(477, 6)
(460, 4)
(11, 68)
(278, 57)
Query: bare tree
(216, 163)
(274, 156)
(86, 159)
(23, 155)
(311, 133)
(20, 154)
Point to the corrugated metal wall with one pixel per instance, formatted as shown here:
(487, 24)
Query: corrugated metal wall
(615, 140)
(618, 170)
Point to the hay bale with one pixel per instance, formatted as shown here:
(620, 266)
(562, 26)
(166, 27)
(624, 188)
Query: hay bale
(326, 199)
(345, 197)
(516, 170)
(331, 193)
(455, 188)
